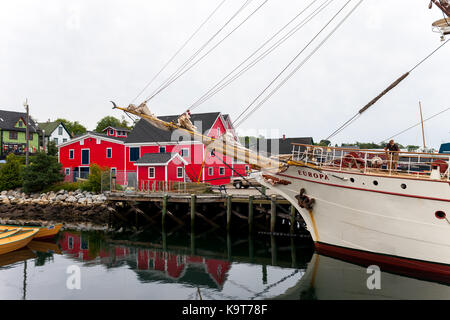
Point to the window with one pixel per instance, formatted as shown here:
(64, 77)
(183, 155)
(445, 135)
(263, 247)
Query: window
(60, 131)
(218, 132)
(134, 153)
(247, 169)
(210, 171)
(70, 242)
(55, 140)
(179, 172)
(109, 152)
(71, 154)
(20, 124)
(30, 136)
(85, 156)
(185, 152)
(113, 171)
(222, 171)
(64, 140)
(67, 171)
(13, 135)
(111, 132)
(162, 149)
(211, 153)
(151, 172)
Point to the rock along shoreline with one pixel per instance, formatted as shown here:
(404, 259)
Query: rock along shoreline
(79, 210)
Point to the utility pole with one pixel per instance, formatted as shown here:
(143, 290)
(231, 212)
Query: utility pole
(43, 141)
(27, 131)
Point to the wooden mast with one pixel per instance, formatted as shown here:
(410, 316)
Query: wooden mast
(423, 131)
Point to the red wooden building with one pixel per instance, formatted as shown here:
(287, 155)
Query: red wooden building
(147, 155)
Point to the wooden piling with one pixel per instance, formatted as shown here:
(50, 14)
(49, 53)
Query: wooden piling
(164, 211)
(250, 214)
(229, 204)
(228, 246)
(273, 212)
(273, 249)
(193, 202)
(292, 219)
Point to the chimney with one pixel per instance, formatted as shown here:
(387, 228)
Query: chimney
(284, 137)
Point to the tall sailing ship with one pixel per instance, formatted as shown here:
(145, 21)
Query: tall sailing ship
(357, 204)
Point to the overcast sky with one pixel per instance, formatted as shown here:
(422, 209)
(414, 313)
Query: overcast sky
(70, 58)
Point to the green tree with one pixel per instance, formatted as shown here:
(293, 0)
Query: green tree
(52, 149)
(10, 177)
(74, 128)
(44, 171)
(110, 121)
(94, 182)
(324, 143)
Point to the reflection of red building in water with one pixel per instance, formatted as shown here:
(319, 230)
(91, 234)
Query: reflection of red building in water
(168, 265)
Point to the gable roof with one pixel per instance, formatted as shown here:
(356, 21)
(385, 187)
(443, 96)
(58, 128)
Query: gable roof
(8, 120)
(276, 146)
(116, 128)
(158, 158)
(93, 134)
(145, 131)
(49, 127)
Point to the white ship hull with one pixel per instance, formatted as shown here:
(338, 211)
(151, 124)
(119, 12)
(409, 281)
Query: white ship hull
(373, 216)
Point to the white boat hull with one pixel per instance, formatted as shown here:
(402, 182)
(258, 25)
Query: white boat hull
(373, 213)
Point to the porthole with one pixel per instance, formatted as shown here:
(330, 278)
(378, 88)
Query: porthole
(375, 182)
(440, 214)
(352, 180)
(403, 186)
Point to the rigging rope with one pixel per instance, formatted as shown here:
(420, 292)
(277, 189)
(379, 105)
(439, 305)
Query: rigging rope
(180, 69)
(392, 86)
(296, 68)
(221, 84)
(179, 50)
(413, 126)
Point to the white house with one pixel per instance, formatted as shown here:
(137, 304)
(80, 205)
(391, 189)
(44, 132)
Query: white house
(55, 131)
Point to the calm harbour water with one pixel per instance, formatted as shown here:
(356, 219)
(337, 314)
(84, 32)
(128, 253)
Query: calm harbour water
(181, 266)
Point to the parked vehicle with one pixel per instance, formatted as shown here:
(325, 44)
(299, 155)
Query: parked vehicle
(246, 182)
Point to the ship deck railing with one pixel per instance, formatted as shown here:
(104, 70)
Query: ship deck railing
(374, 161)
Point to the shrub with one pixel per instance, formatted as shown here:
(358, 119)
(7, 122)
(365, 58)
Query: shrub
(94, 182)
(52, 149)
(10, 177)
(42, 172)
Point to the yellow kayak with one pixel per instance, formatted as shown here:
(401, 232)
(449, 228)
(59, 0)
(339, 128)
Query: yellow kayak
(43, 233)
(9, 232)
(17, 240)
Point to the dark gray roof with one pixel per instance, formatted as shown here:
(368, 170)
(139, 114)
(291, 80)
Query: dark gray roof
(8, 120)
(276, 146)
(117, 128)
(144, 131)
(155, 157)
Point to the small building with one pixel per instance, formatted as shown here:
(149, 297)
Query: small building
(55, 131)
(155, 167)
(117, 132)
(13, 133)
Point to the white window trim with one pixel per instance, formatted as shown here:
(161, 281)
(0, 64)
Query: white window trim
(154, 172)
(67, 171)
(218, 131)
(210, 171)
(185, 156)
(89, 160)
(111, 132)
(220, 169)
(182, 172)
(107, 153)
(159, 149)
(73, 154)
(129, 154)
(113, 168)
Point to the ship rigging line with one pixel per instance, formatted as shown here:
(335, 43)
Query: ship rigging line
(179, 50)
(413, 126)
(184, 67)
(298, 66)
(392, 86)
(219, 86)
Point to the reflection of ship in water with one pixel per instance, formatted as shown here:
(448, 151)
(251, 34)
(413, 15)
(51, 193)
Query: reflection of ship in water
(150, 265)
(327, 278)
